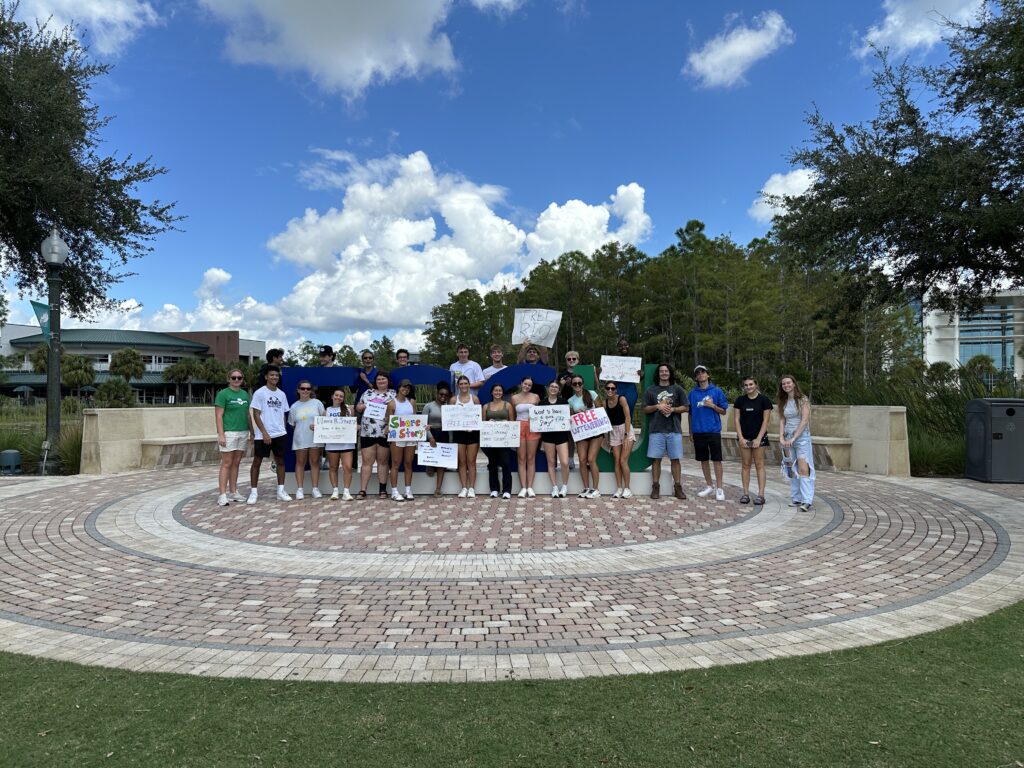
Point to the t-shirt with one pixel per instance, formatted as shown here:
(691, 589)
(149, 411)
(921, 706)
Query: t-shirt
(751, 411)
(432, 411)
(236, 409)
(702, 418)
(491, 370)
(470, 370)
(302, 416)
(272, 405)
(361, 385)
(576, 403)
(674, 395)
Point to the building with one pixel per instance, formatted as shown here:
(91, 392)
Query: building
(997, 331)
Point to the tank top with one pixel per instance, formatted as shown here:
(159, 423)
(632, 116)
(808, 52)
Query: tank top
(616, 415)
(523, 411)
(499, 415)
(403, 409)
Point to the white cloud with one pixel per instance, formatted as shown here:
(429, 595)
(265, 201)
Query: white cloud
(910, 24)
(791, 184)
(109, 24)
(725, 58)
(344, 45)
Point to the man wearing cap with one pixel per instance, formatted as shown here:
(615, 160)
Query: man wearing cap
(707, 404)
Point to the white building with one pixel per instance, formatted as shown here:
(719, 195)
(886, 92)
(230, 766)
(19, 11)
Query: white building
(996, 331)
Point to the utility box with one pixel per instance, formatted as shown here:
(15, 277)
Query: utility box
(995, 440)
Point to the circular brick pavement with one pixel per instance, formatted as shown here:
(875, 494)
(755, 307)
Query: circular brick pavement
(144, 571)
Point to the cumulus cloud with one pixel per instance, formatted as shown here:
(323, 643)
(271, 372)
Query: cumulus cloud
(724, 59)
(344, 45)
(109, 24)
(910, 24)
(791, 184)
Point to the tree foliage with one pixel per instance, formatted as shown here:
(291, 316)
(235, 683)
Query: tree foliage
(53, 173)
(115, 393)
(127, 363)
(77, 371)
(935, 197)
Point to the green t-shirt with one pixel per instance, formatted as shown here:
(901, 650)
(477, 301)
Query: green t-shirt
(236, 409)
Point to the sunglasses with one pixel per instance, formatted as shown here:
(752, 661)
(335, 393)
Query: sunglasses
(577, 383)
(305, 389)
(572, 359)
(236, 378)
(610, 389)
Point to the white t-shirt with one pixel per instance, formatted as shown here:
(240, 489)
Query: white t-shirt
(491, 370)
(302, 416)
(470, 370)
(272, 405)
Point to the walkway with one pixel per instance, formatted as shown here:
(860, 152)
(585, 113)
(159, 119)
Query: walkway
(143, 571)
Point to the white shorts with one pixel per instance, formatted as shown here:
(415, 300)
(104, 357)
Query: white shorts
(234, 441)
(405, 443)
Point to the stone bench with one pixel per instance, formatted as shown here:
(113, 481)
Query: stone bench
(189, 451)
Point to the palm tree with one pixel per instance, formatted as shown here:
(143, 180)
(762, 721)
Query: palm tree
(184, 371)
(128, 364)
(76, 371)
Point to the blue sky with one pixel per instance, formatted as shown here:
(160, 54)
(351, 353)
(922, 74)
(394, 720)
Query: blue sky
(343, 165)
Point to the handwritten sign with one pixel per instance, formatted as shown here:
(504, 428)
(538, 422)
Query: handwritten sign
(540, 326)
(588, 424)
(456, 418)
(376, 410)
(615, 368)
(499, 434)
(334, 429)
(549, 418)
(407, 427)
(445, 455)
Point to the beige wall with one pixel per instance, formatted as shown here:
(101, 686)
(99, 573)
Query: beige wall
(112, 437)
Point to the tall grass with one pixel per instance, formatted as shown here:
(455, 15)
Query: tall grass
(69, 448)
(27, 441)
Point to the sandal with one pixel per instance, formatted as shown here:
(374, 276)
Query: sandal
(744, 499)
(759, 500)
(383, 494)
(361, 495)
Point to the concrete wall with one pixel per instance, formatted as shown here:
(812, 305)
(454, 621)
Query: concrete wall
(112, 437)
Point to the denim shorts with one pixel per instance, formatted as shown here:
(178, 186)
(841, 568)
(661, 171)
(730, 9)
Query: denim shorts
(665, 444)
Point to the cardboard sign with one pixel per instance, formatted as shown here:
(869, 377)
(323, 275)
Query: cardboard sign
(615, 368)
(457, 418)
(445, 455)
(540, 326)
(334, 429)
(499, 434)
(406, 428)
(549, 418)
(588, 424)
(376, 410)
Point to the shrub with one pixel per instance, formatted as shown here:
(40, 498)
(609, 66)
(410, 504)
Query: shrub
(932, 453)
(71, 406)
(69, 448)
(28, 442)
(115, 393)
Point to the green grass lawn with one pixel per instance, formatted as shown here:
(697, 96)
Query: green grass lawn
(952, 698)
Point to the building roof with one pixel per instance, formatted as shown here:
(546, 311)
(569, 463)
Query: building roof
(105, 337)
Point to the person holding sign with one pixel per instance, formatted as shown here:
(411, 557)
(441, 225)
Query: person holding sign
(402, 451)
(467, 440)
(339, 453)
(665, 402)
(302, 416)
(529, 441)
(432, 411)
(621, 438)
(532, 354)
(588, 448)
(373, 433)
(499, 458)
(556, 444)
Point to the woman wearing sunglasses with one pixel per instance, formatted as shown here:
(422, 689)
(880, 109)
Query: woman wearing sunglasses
(621, 438)
(583, 400)
(302, 416)
(231, 410)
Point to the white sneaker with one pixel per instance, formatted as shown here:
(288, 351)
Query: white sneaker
(617, 494)
(283, 496)
(408, 494)
(627, 494)
(506, 495)
(346, 496)
(222, 500)
(396, 496)
(334, 495)
(805, 507)
(471, 493)
(299, 495)
(236, 496)
(522, 493)
(584, 494)
(594, 494)
(463, 493)
(530, 493)
(562, 493)
(719, 494)
(554, 492)
(316, 494)
(706, 492)
(494, 494)
(251, 499)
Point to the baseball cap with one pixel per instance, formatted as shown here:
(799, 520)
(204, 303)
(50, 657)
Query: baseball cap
(700, 368)
(327, 350)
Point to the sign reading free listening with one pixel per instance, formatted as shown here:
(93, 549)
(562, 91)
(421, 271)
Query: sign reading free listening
(589, 423)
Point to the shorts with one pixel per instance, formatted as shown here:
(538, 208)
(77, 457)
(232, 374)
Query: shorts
(707, 446)
(662, 445)
(554, 438)
(404, 443)
(525, 433)
(340, 450)
(439, 435)
(234, 441)
(466, 437)
(278, 446)
(369, 442)
(743, 442)
(618, 436)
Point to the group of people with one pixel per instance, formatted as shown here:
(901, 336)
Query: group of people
(263, 418)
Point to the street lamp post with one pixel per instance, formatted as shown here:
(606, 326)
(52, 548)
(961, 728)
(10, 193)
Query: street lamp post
(55, 252)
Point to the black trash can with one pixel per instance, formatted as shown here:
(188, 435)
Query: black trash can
(995, 440)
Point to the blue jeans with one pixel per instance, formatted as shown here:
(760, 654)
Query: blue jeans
(801, 489)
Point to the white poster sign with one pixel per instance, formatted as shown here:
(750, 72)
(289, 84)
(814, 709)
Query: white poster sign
(456, 418)
(376, 410)
(406, 428)
(334, 429)
(588, 424)
(444, 455)
(499, 434)
(614, 368)
(549, 418)
(540, 326)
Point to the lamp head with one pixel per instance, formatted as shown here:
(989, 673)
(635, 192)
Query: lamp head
(54, 249)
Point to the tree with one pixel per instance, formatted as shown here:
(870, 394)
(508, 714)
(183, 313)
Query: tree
(77, 371)
(185, 371)
(128, 364)
(115, 393)
(347, 356)
(937, 198)
(383, 352)
(53, 174)
(39, 358)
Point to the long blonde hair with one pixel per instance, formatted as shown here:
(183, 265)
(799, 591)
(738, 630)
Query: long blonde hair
(782, 397)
